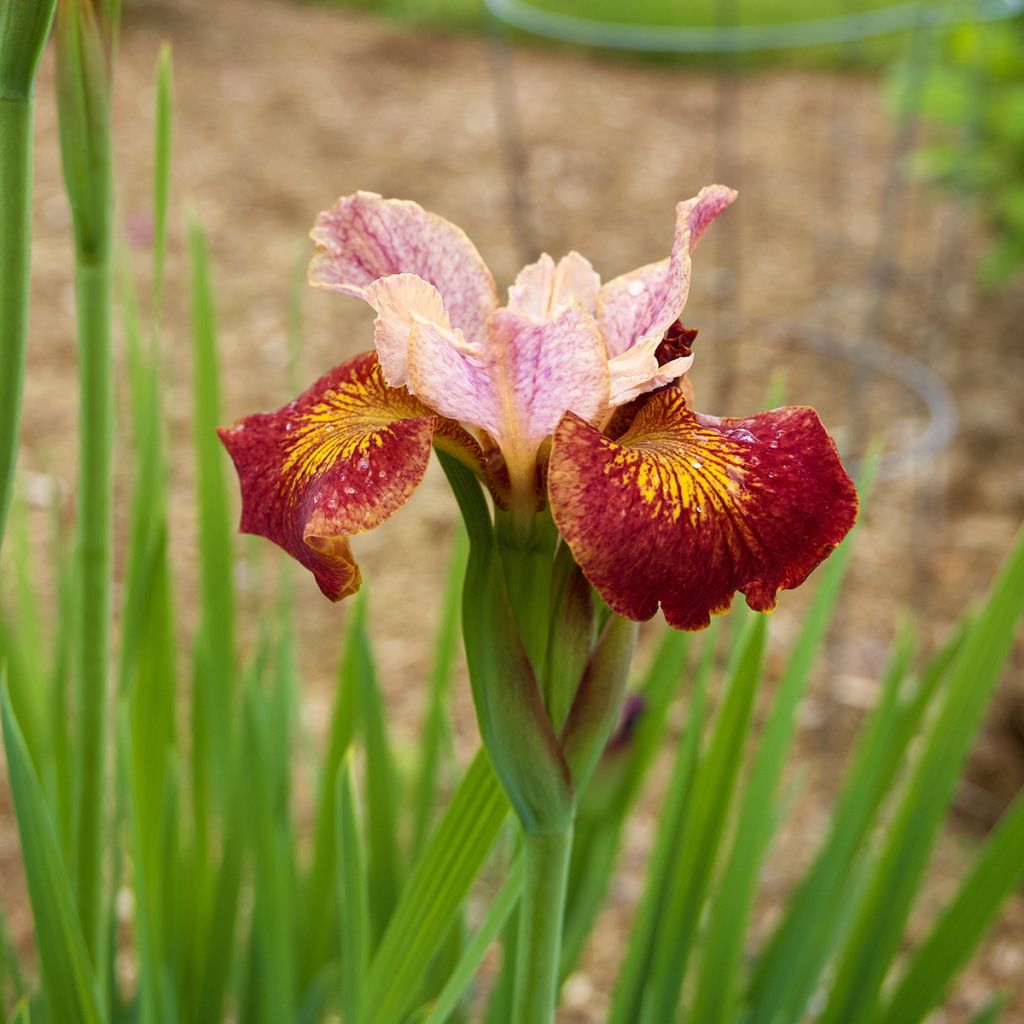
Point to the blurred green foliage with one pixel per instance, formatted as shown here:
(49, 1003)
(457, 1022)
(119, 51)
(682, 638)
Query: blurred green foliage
(973, 101)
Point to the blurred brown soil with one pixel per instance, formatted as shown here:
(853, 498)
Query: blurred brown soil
(280, 109)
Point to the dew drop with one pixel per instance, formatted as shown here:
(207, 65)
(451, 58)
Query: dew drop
(364, 464)
(350, 490)
(739, 434)
(636, 287)
(696, 463)
(773, 444)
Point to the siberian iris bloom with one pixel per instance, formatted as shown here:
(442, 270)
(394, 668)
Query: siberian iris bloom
(570, 396)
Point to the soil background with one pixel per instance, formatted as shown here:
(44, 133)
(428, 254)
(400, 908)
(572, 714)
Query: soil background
(282, 108)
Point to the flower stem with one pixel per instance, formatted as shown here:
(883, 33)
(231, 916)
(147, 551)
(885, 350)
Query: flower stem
(95, 486)
(540, 926)
(15, 254)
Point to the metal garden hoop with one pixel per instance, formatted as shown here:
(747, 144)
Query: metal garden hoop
(726, 39)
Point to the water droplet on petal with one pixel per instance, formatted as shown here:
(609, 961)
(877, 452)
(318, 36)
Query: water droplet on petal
(739, 434)
(636, 287)
(696, 463)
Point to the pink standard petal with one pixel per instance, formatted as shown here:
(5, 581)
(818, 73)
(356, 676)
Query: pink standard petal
(637, 371)
(519, 385)
(454, 376)
(364, 237)
(548, 368)
(401, 301)
(644, 303)
(541, 288)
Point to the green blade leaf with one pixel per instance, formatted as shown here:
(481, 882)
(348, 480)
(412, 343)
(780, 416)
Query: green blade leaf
(274, 898)
(633, 977)
(881, 916)
(384, 865)
(319, 916)
(436, 731)
(353, 905)
(216, 662)
(68, 976)
(949, 945)
(718, 986)
(473, 955)
(434, 892)
(789, 966)
(162, 170)
(714, 784)
(212, 952)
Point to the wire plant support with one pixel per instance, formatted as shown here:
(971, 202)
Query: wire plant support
(861, 346)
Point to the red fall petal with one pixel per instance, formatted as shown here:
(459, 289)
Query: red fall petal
(684, 510)
(338, 460)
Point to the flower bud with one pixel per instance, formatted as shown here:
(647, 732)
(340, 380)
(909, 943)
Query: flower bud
(83, 98)
(24, 26)
(599, 698)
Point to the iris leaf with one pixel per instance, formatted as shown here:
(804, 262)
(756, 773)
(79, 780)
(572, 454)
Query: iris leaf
(908, 840)
(434, 892)
(68, 977)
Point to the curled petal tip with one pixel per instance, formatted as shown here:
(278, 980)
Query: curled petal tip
(637, 308)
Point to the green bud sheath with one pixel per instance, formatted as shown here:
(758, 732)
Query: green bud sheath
(513, 722)
(83, 95)
(599, 698)
(571, 642)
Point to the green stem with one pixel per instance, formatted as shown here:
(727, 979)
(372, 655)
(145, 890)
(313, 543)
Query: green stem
(95, 486)
(15, 258)
(527, 554)
(540, 926)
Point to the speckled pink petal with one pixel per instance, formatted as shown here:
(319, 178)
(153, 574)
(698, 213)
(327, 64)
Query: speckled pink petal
(455, 377)
(543, 287)
(519, 385)
(644, 303)
(364, 237)
(636, 372)
(401, 301)
(548, 369)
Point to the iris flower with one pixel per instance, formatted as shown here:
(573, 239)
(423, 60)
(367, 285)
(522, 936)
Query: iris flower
(571, 396)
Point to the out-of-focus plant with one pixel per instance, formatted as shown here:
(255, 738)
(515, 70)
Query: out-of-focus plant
(24, 26)
(972, 97)
(85, 38)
